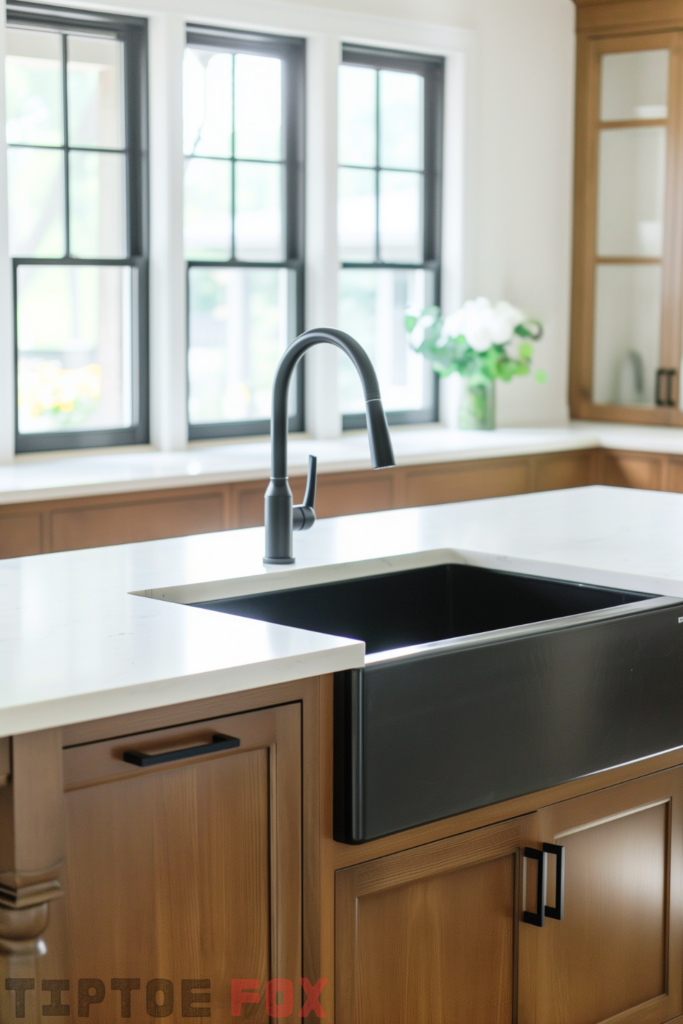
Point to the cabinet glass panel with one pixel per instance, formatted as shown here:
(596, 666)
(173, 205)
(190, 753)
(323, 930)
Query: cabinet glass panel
(631, 181)
(627, 330)
(634, 86)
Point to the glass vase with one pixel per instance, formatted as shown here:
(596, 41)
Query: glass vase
(477, 404)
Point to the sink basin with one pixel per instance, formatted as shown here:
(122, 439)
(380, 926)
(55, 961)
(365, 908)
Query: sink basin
(482, 685)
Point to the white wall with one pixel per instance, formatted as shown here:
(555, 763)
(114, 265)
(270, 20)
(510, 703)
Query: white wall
(522, 248)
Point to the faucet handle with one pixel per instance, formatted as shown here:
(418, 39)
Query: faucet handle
(303, 516)
(311, 482)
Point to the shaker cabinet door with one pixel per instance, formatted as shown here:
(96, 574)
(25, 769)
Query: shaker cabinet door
(616, 955)
(429, 934)
(181, 874)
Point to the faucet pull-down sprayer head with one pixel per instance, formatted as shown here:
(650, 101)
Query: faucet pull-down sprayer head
(281, 516)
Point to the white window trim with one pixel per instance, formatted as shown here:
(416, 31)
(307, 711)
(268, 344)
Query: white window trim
(324, 30)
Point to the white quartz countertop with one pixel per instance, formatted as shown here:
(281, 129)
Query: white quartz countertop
(88, 634)
(44, 477)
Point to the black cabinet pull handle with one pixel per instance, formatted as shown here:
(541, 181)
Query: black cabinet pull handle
(668, 376)
(556, 912)
(537, 917)
(219, 742)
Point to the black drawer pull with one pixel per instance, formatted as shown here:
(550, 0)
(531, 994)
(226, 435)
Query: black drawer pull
(537, 917)
(219, 742)
(668, 377)
(556, 912)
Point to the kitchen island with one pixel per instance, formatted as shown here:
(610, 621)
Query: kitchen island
(138, 883)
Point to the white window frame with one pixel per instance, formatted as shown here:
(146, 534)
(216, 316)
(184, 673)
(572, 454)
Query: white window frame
(325, 31)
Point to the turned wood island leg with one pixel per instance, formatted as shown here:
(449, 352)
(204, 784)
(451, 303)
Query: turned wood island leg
(30, 860)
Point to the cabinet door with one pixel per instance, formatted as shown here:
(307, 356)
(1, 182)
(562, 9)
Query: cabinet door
(189, 870)
(430, 934)
(617, 954)
(627, 254)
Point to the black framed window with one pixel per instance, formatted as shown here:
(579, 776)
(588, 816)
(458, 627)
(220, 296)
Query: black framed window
(76, 134)
(243, 132)
(389, 212)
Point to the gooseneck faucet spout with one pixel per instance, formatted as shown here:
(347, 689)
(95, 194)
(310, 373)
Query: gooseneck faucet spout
(281, 516)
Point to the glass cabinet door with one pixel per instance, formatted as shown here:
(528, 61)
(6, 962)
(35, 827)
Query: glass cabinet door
(627, 266)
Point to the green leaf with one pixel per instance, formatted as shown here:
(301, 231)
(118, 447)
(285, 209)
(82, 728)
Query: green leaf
(541, 376)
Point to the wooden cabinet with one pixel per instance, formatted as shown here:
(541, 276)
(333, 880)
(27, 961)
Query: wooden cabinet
(437, 485)
(166, 882)
(437, 933)
(94, 526)
(70, 523)
(628, 215)
(430, 934)
(183, 871)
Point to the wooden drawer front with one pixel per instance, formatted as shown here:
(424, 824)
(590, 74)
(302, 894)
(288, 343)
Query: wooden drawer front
(20, 535)
(436, 486)
(633, 469)
(674, 481)
(570, 469)
(347, 495)
(186, 870)
(247, 504)
(101, 525)
(338, 495)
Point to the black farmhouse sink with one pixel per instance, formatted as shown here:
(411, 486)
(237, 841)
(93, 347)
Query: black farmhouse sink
(480, 686)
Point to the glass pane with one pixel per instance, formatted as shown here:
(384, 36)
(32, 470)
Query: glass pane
(36, 202)
(356, 215)
(631, 178)
(258, 212)
(626, 341)
(207, 103)
(207, 210)
(33, 77)
(357, 115)
(97, 199)
(239, 328)
(258, 107)
(634, 85)
(372, 304)
(400, 217)
(95, 88)
(75, 348)
(400, 120)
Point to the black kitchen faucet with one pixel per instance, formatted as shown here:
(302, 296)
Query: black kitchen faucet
(282, 517)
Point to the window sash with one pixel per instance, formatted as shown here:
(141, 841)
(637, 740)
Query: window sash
(432, 71)
(292, 53)
(133, 33)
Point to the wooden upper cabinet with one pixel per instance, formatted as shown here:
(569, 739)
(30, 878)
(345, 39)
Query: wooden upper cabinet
(617, 954)
(627, 313)
(186, 871)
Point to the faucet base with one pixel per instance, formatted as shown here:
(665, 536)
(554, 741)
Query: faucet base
(278, 561)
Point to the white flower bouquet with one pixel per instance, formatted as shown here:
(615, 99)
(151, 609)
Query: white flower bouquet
(475, 340)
